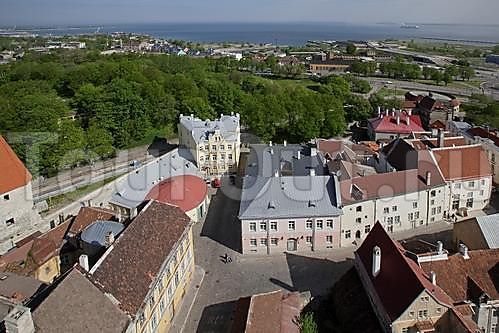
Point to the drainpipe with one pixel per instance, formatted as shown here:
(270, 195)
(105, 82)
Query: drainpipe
(313, 234)
(427, 206)
(268, 237)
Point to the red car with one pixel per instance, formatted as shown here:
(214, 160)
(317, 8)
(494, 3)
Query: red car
(216, 183)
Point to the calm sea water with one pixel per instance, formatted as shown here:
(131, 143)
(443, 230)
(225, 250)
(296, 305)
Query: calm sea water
(289, 33)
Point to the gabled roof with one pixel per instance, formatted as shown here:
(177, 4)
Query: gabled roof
(438, 124)
(425, 143)
(276, 312)
(388, 124)
(88, 215)
(289, 197)
(13, 173)
(134, 260)
(483, 133)
(466, 279)
(76, 305)
(400, 280)
(202, 129)
(461, 163)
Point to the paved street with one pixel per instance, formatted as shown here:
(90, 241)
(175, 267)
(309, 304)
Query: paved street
(223, 283)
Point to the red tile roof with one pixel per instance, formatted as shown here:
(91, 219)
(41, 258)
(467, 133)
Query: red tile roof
(432, 142)
(461, 163)
(437, 124)
(88, 215)
(14, 174)
(460, 277)
(400, 280)
(186, 192)
(388, 124)
(275, 311)
(135, 259)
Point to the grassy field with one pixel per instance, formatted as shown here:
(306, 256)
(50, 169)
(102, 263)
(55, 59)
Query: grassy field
(62, 200)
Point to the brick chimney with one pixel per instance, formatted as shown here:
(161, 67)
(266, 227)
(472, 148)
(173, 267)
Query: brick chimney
(428, 178)
(441, 138)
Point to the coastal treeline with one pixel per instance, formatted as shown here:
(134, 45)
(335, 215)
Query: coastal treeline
(79, 107)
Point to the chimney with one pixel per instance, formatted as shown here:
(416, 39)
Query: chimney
(440, 247)
(376, 261)
(109, 238)
(270, 143)
(271, 151)
(409, 112)
(192, 115)
(428, 178)
(398, 119)
(83, 261)
(463, 249)
(433, 278)
(379, 111)
(285, 143)
(313, 151)
(386, 112)
(408, 120)
(312, 172)
(440, 139)
(276, 173)
(298, 155)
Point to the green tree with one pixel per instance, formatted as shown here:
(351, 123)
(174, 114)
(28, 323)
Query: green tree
(99, 142)
(308, 324)
(351, 49)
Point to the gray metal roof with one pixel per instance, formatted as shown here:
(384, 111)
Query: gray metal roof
(289, 197)
(132, 191)
(462, 125)
(265, 161)
(202, 129)
(95, 233)
(490, 229)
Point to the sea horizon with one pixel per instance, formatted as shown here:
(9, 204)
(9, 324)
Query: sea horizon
(281, 33)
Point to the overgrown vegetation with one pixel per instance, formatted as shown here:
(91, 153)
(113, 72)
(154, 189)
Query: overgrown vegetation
(307, 323)
(482, 110)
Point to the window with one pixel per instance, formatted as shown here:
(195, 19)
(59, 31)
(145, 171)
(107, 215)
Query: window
(386, 210)
(291, 225)
(416, 215)
(252, 226)
(263, 241)
(214, 147)
(162, 305)
(207, 147)
(411, 314)
(358, 220)
(329, 239)
(6, 197)
(273, 241)
(348, 234)
(455, 204)
(358, 208)
(230, 156)
(433, 211)
(222, 157)
(471, 184)
(253, 242)
(405, 330)
(439, 209)
(390, 220)
(439, 310)
(309, 224)
(320, 224)
(367, 228)
(397, 219)
(229, 147)
(469, 194)
(263, 226)
(414, 205)
(481, 192)
(273, 226)
(154, 322)
(410, 216)
(222, 147)
(394, 208)
(422, 313)
(9, 221)
(214, 158)
(457, 186)
(482, 182)
(493, 328)
(433, 193)
(469, 203)
(425, 299)
(329, 224)
(432, 202)
(308, 239)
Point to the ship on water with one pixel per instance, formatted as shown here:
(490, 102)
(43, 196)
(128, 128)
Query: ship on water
(409, 26)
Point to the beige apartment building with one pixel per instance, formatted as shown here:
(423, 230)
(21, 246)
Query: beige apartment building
(214, 145)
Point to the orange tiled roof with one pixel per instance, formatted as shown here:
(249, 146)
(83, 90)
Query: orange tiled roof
(14, 174)
(466, 162)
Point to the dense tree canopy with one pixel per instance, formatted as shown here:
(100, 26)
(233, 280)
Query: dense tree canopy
(89, 105)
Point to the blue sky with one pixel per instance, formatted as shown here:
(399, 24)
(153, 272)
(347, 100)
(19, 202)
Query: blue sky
(18, 12)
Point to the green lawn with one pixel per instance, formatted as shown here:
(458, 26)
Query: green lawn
(62, 200)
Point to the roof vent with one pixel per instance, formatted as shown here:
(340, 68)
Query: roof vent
(463, 249)
(271, 205)
(311, 203)
(3, 277)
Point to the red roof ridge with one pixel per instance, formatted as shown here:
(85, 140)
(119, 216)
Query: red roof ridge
(14, 173)
(476, 145)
